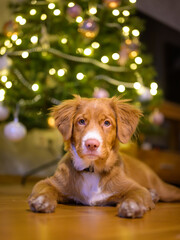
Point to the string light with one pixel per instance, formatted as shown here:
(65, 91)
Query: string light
(7, 42)
(126, 13)
(87, 51)
(22, 21)
(121, 88)
(34, 39)
(18, 41)
(71, 4)
(51, 5)
(61, 72)
(115, 12)
(8, 84)
(43, 17)
(33, 12)
(133, 66)
(80, 76)
(2, 95)
(115, 56)
(52, 71)
(95, 45)
(14, 37)
(4, 79)
(125, 29)
(137, 85)
(121, 20)
(35, 87)
(133, 54)
(153, 91)
(138, 60)
(51, 121)
(105, 59)
(135, 32)
(25, 54)
(79, 19)
(18, 18)
(132, 1)
(64, 40)
(57, 12)
(3, 50)
(154, 85)
(93, 10)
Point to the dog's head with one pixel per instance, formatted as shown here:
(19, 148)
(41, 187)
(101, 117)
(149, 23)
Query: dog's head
(94, 126)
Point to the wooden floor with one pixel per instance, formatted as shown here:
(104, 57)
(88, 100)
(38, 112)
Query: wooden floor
(81, 222)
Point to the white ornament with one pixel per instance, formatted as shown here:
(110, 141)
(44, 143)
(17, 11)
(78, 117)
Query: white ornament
(4, 113)
(15, 131)
(145, 94)
(100, 93)
(5, 62)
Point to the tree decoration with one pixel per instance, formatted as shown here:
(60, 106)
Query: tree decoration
(74, 11)
(145, 94)
(100, 93)
(10, 28)
(156, 117)
(88, 28)
(112, 3)
(15, 131)
(4, 112)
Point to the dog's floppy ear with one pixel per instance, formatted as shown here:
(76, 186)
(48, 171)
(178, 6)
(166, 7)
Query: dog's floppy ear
(127, 119)
(64, 115)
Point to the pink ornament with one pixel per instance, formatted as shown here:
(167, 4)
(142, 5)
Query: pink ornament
(74, 11)
(100, 93)
(89, 28)
(4, 113)
(156, 117)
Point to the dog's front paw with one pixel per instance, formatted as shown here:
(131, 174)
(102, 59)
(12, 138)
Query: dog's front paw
(131, 209)
(42, 203)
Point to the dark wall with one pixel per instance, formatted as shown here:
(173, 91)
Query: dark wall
(164, 44)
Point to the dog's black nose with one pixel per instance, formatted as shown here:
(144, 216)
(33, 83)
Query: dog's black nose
(92, 144)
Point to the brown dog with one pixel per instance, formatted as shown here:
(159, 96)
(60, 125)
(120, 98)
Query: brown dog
(93, 172)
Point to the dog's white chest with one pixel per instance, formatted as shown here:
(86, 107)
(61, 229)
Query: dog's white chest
(90, 190)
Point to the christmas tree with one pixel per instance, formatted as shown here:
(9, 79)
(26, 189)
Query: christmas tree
(53, 49)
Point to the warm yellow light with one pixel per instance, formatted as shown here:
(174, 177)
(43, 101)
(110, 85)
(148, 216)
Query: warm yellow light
(43, 17)
(125, 29)
(8, 84)
(115, 12)
(35, 87)
(34, 39)
(7, 42)
(64, 40)
(137, 85)
(154, 85)
(71, 4)
(79, 19)
(135, 32)
(87, 51)
(3, 50)
(95, 45)
(93, 10)
(132, 1)
(105, 59)
(133, 66)
(133, 54)
(22, 21)
(61, 72)
(51, 5)
(18, 18)
(128, 41)
(121, 88)
(10, 45)
(153, 91)
(4, 79)
(138, 60)
(52, 71)
(51, 121)
(57, 12)
(126, 13)
(18, 41)
(121, 20)
(33, 12)
(80, 76)
(14, 37)
(115, 56)
(25, 54)
(2, 95)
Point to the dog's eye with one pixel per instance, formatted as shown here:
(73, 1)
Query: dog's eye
(107, 123)
(81, 122)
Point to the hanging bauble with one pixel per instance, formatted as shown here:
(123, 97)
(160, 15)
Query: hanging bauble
(15, 131)
(145, 94)
(156, 117)
(124, 54)
(74, 11)
(10, 28)
(4, 112)
(88, 28)
(112, 3)
(100, 93)
(5, 62)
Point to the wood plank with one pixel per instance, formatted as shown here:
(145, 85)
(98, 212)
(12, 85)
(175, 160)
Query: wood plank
(81, 222)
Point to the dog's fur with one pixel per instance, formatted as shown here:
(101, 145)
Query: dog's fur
(94, 172)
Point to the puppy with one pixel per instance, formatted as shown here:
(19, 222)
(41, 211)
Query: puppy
(93, 172)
